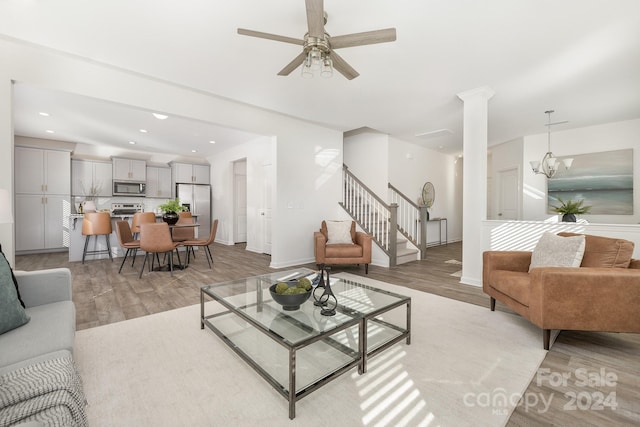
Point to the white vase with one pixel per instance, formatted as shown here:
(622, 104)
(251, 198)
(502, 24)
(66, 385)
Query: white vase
(88, 206)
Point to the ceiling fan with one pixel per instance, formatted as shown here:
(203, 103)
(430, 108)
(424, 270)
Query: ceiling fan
(318, 46)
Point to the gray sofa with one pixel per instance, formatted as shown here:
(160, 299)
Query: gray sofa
(42, 348)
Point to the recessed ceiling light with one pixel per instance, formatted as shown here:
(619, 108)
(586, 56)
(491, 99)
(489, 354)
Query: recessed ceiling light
(194, 151)
(143, 130)
(160, 116)
(132, 142)
(212, 142)
(50, 131)
(42, 113)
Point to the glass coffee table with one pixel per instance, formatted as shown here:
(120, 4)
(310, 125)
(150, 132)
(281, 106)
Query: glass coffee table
(299, 351)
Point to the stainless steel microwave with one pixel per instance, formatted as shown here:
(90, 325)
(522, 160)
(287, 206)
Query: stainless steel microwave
(128, 188)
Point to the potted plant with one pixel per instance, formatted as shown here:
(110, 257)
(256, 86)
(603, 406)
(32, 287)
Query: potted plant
(570, 209)
(171, 209)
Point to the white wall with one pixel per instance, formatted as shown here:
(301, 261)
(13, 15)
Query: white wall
(365, 153)
(7, 240)
(311, 191)
(410, 166)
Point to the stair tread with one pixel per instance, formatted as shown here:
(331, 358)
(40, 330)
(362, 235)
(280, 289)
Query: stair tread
(406, 251)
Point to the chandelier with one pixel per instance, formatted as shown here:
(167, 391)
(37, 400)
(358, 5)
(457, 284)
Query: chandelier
(318, 57)
(550, 164)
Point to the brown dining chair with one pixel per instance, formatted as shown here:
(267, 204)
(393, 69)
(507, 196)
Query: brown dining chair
(141, 218)
(183, 234)
(125, 237)
(96, 224)
(187, 233)
(204, 243)
(155, 238)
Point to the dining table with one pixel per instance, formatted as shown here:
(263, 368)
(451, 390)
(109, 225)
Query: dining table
(172, 227)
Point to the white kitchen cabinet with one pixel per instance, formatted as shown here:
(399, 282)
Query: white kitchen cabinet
(89, 178)
(129, 169)
(190, 173)
(39, 171)
(158, 182)
(42, 221)
(42, 198)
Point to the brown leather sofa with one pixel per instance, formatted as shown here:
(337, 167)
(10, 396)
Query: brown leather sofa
(358, 252)
(603, 294)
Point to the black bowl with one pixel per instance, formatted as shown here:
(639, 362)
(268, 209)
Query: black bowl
(289, 302)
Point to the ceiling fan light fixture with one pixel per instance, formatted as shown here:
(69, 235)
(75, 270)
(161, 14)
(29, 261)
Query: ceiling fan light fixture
(307, 72)
(327, 67)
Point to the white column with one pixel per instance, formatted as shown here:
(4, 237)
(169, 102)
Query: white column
(6, 164)
(474, 181)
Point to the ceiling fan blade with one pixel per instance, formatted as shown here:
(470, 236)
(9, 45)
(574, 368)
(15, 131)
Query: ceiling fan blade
(293, 65)
(315, 17)
(269, 36)
(342, 66)
(360, 39)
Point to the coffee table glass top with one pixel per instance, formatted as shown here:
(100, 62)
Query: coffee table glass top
(250, 298)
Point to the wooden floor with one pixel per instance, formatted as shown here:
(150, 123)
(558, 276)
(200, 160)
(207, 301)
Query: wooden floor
(582, 377)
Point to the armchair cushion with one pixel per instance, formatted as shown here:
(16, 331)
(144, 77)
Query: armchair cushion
(557, 251)
(339, 232)
(605, 251)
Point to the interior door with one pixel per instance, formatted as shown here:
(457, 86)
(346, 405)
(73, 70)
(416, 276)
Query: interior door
(508, 194)
(266, 211)
(240, 190)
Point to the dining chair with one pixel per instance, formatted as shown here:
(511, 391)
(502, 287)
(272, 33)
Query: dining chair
(204, 243)
(155, 238)
(125, 237)
(141, 218)
(187, 233)
(183, 234)
(96, 224)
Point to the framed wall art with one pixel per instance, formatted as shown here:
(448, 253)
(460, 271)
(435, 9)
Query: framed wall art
(603, 180)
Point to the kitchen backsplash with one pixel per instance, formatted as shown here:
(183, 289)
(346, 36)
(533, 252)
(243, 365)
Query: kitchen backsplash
(149, 204)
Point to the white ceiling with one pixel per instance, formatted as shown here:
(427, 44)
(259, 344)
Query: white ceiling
(579, 57)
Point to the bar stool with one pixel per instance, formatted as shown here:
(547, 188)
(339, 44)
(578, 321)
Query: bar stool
(96, 224)
(141, 218)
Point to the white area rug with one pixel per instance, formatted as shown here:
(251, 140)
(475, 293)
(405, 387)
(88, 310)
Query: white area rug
(163, 370)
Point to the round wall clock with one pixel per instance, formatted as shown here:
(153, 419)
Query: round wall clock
(428, 194)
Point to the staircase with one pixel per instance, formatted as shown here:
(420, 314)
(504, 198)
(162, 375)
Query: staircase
(378, 219)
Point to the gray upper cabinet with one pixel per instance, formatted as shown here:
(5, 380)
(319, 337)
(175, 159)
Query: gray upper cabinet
(89, 178)
(158, 182)
(129, 169)
(190, 174)
(39, 171)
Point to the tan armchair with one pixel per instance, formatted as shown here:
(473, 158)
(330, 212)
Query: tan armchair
(358, 251)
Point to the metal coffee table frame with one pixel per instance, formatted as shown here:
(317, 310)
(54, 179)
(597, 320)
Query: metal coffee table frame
(358, 319)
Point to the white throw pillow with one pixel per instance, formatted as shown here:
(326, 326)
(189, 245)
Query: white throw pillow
(557, 251)
(339, 232)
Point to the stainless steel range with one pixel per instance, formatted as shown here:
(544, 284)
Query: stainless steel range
(125, 208)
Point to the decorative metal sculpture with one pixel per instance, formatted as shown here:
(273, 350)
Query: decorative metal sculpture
(327, 300)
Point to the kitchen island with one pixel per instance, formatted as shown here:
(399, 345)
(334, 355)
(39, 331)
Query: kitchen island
(76, 239)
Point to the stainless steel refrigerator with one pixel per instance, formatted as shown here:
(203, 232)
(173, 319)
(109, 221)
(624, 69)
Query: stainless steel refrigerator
(198, 198)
